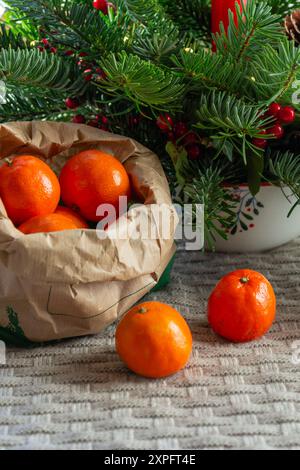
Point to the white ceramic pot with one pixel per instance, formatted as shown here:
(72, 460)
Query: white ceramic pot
(262, 222)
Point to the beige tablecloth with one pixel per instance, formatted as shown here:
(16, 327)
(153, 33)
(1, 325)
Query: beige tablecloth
(78, 395)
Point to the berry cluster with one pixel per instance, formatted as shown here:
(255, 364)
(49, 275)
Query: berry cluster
(90, 69)
(99, 121)
(180, 133)
(284, 116)
(46, 46)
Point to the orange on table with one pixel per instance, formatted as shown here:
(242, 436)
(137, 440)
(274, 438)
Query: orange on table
(154, 340)
(92, 178)
(242, 307)
(49, 223)
(73, 216)
(28, 188)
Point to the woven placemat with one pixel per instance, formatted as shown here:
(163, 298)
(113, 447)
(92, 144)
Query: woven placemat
(78, 395)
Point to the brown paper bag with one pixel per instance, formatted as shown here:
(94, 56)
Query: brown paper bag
(64, 284)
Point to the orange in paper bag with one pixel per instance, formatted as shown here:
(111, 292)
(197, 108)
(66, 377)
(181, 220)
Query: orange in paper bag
(50, 223)
(73, 216)
(28, 188)
(92, 178)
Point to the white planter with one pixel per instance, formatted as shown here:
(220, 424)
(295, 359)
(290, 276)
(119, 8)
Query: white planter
(270, 226)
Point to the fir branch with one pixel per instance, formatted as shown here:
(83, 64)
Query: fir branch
(285, 170)
(255, 25)
(9, 39)
(206, 70)
(283, 7)
(157, 45)
(203, 184)
(15, 22)
(129, 77)
(22, 105)
(73, 24)
(192, 17)
(230, 120)
(143, 11)
(207, 187)
(275, 71)
(31, 68)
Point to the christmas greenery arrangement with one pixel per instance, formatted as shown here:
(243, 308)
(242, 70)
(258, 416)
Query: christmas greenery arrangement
(218, 109)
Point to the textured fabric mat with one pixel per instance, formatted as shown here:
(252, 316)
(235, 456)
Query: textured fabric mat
(78, 395)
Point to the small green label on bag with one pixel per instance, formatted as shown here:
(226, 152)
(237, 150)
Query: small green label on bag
(13, 332)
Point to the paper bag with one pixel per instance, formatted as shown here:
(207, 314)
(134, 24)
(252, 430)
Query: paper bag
(71, 283)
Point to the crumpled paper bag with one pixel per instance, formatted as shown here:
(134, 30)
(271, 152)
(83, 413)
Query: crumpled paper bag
(71, 283)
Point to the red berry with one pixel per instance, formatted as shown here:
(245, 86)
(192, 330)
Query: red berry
(274, 109)
(101, 73)
(83, 54)
(260, 143)
(45, 42)
(93, 123)
(78, 119)
(104, 120)
(191, 138)
(277, 131)
(82, 64)
(101, 5)
(88, 75)
(72, 103)
(165, 122)
(41, 49)
(194, 152)
(180, 129)
(69, 53)
(53, 50)
(287, 115)
(171, 137)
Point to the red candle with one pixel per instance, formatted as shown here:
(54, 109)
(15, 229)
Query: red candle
(220, 10)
